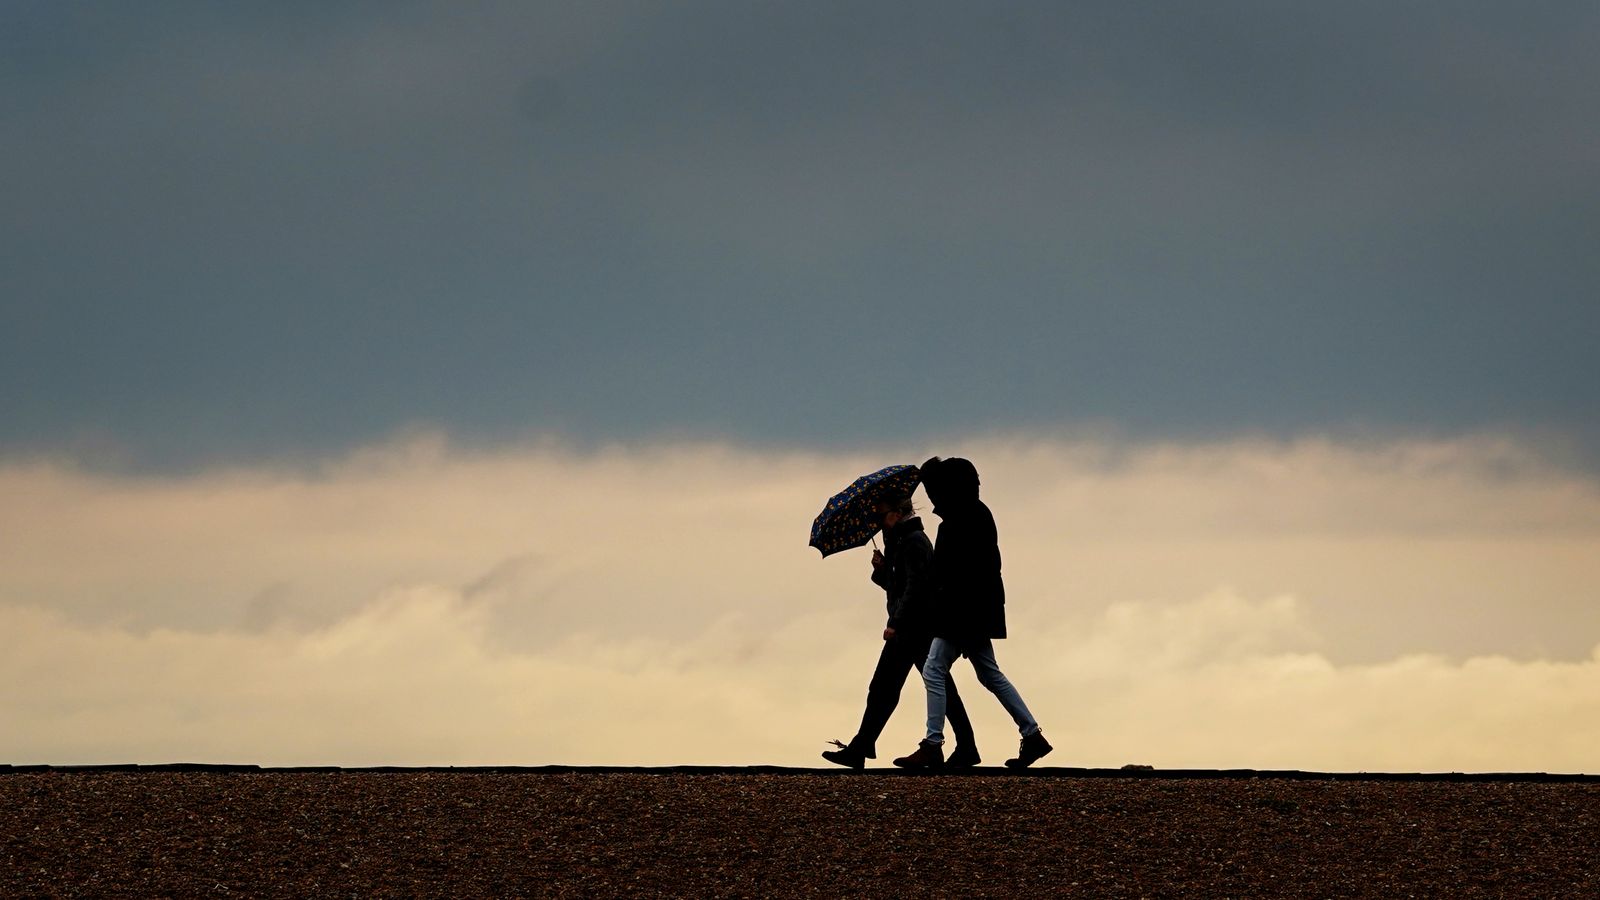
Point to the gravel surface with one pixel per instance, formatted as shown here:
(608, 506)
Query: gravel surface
(587, 834)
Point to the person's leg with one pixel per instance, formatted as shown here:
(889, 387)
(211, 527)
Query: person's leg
(956, 712)
(954, 709)
(936, 678)
(989, 675)
(883, 693)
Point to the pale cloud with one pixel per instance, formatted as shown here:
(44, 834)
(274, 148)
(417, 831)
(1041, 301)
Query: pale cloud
(1398, 605)
(1221, 682)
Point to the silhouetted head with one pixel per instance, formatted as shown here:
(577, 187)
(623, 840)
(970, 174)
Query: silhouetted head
(893, 510)
(950, 482)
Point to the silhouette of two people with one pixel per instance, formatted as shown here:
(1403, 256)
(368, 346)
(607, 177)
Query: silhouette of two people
(946, 600)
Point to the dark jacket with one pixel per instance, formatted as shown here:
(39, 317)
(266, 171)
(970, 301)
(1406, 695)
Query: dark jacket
(970, 597)
(904, 576)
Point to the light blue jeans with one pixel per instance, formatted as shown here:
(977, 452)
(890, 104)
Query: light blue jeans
(936, 674)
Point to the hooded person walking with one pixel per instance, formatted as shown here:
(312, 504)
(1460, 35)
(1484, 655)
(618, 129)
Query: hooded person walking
(969, 611)
(902, 571)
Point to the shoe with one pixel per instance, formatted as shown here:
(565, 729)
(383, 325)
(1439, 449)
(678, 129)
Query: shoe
(927, 756)
(846, 756)
(965, 757)
(1033, 748)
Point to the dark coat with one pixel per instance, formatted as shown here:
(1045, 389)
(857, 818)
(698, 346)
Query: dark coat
(904, 577)
(970, 597)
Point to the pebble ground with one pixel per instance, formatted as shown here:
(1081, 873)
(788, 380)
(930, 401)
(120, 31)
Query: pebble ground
(446, 834)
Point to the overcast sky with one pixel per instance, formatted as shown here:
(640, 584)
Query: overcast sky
(239, 231)
(446, 383)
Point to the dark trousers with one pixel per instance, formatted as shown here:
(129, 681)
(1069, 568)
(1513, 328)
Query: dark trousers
(900, 655)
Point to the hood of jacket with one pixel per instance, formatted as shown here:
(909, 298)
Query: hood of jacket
(952, 484)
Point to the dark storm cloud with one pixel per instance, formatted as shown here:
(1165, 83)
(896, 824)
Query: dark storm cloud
(235, 232)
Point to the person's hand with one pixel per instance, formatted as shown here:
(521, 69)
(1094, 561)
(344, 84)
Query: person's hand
(877, 559)
(888, 633)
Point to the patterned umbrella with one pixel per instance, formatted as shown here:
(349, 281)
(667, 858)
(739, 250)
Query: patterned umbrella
(849, 520)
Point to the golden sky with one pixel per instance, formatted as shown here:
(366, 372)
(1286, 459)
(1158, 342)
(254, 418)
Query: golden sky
(1401, 605)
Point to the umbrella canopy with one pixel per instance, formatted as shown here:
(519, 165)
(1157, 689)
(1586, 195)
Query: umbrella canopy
(849, 519)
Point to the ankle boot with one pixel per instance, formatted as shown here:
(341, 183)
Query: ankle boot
(1034, 746)
(927, 756)
(964, 757)
(846, 756)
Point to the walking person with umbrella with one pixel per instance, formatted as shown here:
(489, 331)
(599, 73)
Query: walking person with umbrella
(969, 611)
(901, 570)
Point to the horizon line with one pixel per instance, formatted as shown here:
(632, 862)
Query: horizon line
(1129, 772)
